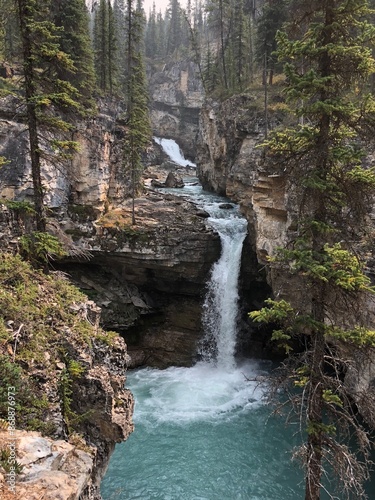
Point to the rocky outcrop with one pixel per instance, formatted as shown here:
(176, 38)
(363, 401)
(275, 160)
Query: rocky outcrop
(176, 93)
(230, 163)
(150, 277)
(65, 377)
(51, 469)
(94, 177)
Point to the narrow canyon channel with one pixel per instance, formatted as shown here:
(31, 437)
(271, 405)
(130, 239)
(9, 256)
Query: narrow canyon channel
(205, 433)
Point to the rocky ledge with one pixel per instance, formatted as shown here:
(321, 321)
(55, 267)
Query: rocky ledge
(148, 277)
(63, 378)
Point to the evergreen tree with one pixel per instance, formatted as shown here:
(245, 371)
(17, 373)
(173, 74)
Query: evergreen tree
(45, 92)
(9, 31)
(324, 161)
(139, 130)
(220, 20)
(119, 30)
(174, 38)
(239, 47)
(105, 43)
(74, 39)
(273, 16)
(161, 35)
(151, 38)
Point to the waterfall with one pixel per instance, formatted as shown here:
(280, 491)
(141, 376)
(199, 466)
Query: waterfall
(220, 309)
(172, 149)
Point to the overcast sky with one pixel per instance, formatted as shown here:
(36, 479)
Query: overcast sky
(159, 4)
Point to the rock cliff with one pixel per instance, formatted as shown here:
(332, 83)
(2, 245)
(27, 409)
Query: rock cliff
(230, 163)
(94, 177)
(63, 376)
(177, 95)
(145, 276)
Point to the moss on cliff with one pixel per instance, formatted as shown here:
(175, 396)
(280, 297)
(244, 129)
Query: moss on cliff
(46, 326)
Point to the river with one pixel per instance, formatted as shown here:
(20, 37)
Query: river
(205, 433)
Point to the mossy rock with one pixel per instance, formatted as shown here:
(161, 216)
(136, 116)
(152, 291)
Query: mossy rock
(44, 327)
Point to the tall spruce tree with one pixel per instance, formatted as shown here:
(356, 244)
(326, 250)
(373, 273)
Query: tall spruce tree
(324, 161)
(74, 39)
(174, 34)
(219, 20)
(105, 46)
(9, 31)
(273, 15)
(45, 92)
(139, 130)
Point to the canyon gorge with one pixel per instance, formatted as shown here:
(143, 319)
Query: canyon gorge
(149, 279)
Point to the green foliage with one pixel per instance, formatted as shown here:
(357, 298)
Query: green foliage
(74, 40)
(39, 324)
(7, 463)
(358, 336)
(73, 370)
(107, 337)
(331, 398)
(3, 161)
(105, 38)
(332, 264)
(19, 207)
(278, 310)
(10, 375)
(41, 247)
(29, 405)
(327, 50)
(319, 428)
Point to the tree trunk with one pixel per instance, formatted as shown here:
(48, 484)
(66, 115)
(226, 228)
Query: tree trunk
(314, 415)
(222, 44)
(30, 93)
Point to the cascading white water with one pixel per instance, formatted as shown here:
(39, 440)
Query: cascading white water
(172, 149)
(202, 432)
(220, 308)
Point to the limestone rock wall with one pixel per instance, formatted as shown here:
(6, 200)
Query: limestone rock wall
(230, 163)
(177, 95)
(93, 177)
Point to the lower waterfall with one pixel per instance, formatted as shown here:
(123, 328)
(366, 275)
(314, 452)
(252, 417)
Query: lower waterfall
(220, 307)
(204, 433)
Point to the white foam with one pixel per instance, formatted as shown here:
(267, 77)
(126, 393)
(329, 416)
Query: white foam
(200, 393)
(172, 149)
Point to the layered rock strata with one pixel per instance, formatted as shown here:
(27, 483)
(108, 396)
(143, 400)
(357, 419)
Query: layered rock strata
(230, 162)
(177, 95)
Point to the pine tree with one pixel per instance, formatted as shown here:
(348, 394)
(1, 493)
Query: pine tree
(239, 45)
(105, 43)
(119, 14)
(45, 92)
(324, 161)
(174, 38)
(220, 20)
(161, 35)
(74, 39)
(273, 15)
(139, 131)
(151, 36)
(9, 31)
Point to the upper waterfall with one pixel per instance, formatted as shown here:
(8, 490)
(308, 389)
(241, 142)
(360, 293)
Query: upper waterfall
(172, 149)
